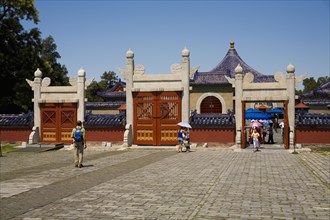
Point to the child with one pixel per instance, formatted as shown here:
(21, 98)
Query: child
(255, 136)
(186, 140)
(180, 139)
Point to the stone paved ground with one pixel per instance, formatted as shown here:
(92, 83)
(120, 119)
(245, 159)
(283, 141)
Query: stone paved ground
(162, 184)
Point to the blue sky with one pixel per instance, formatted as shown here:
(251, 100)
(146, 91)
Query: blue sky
(268, 35)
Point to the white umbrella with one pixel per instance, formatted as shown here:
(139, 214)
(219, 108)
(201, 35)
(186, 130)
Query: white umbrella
(184, 124)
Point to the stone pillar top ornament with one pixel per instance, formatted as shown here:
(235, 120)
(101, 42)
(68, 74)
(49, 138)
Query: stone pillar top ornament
(81, 72)
(290, 68)
(130, 53)
(38, 73)
(185, 52)
(238, 69)
(232, 44)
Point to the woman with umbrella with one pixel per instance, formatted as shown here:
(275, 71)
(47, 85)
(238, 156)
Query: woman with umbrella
(255, 136)
(257, 125)
(184, 133)
(180, 139)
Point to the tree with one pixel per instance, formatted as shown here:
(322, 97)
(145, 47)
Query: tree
(309, 84)
(91, 92)
(21, 53)
(51, 68)
(322, 80)
(18, 49)
(108, 80)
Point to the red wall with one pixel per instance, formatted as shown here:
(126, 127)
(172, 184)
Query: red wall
(108, 135)
(303, 135)
(13, 135)
(212, 135)
(312, 136)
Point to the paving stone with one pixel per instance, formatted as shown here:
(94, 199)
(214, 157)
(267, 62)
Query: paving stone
(149, 184)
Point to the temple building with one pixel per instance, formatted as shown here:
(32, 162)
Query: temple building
(318, 100)
(115, 99)
(212, 92)
(145, 109)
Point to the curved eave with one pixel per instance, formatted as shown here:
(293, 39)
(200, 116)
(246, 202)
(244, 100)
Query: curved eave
(214, 78)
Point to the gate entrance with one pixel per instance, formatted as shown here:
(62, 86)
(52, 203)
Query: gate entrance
(286, 127)
(156, 115)
(57, 121)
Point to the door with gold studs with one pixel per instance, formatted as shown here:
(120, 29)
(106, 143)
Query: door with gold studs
(57, 121)
(156, 115)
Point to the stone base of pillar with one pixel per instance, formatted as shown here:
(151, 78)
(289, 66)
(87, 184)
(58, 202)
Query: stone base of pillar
(128, 136)
(34, 137)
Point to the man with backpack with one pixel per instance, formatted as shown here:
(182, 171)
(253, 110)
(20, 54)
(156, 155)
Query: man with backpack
(79, 143)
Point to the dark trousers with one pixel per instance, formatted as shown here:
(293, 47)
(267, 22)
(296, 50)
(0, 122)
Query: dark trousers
(270, 139)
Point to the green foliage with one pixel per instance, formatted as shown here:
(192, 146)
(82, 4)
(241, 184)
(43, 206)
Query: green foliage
(91, 92)
(18, 9)
(309, 84)
(21, 53)
(108, 80)
(51, 68)
(7, 148)
(322, 80)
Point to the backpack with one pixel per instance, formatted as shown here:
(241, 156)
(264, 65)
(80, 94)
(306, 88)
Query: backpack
(77, 135)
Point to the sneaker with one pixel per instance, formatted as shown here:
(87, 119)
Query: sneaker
(80, 166)
(76, 165)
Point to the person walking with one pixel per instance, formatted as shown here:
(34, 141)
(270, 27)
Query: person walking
(180, 139)
(187, 139)
(79, 142)
(255, 136)
(282, 127)
(270, 134)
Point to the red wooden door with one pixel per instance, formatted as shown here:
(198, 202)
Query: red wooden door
(57, 121)
(168, 114)
(155, 117)
(211, 104)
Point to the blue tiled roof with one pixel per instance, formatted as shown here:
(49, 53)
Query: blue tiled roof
(227, 68)
(316, 101)
(212, 121)
(318, 96)
(104, 105)
(313, 120)
(112, 93)
(323, 90)
(14, 120)
(105, 120)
